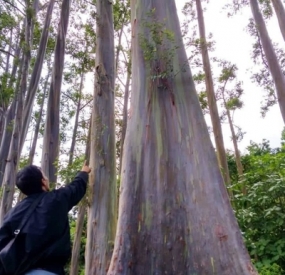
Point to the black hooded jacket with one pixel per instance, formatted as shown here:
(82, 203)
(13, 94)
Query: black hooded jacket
(45, 239)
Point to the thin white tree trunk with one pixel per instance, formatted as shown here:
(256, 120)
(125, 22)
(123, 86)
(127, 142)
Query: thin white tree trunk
(73, 140)
(280, 13)
(274, 66)
(212, 102)
(38, 123)
(125, 116)
(82, 209)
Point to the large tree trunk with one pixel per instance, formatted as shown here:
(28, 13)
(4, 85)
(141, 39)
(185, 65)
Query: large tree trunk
(51, 136)
(274, 66)
(280, 12)
(214, 113)
(36, 74)
(9, 177)
(103, 196)
(175, 215)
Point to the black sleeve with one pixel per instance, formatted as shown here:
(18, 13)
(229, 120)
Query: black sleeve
(5, 235)
(75, 191)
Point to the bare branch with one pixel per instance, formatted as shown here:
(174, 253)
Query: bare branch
(82, 107)
(11, 4)
(6, 52)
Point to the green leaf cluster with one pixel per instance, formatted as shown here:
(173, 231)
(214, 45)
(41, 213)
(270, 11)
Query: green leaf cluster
(261, 211)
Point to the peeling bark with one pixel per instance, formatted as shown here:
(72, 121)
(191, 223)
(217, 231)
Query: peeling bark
(175, 215)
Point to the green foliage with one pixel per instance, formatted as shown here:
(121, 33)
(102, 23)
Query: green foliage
(273, 269)
(66, 173)
(122, 13)
(203, 100)
(158, 46)
(6, 92)
(72, 224)
(261, 212)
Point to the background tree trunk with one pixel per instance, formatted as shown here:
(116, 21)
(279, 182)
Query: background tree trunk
(73, 140)
(274, 66)
(51, 136)
(74, 265)
(175, 216)
(103, 190)
(38, 122)
(36, 74)
(11, 168)
(9, 115)
(125, 115)
(214, 112)
(9, 52)
(8, 131)
(280, 13)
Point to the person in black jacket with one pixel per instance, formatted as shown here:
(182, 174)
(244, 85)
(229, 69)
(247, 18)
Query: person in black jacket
(45, 239)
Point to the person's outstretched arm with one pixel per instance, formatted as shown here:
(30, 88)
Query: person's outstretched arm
(76, 190)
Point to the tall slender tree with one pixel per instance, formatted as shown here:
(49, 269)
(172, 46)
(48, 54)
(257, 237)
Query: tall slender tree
(212, 102)
(175, 216)
(39, 120)
(280, 13)
(82, 209)
(51, 141)
(10, 114)
(125, 113)
(36, 73)
(273, 63)
(231, 101)
(103, 196)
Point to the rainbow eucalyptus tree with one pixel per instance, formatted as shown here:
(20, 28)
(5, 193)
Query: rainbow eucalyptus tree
(175, 215)
(102, 214)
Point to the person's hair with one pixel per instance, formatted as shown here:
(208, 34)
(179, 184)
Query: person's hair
(29, 180)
